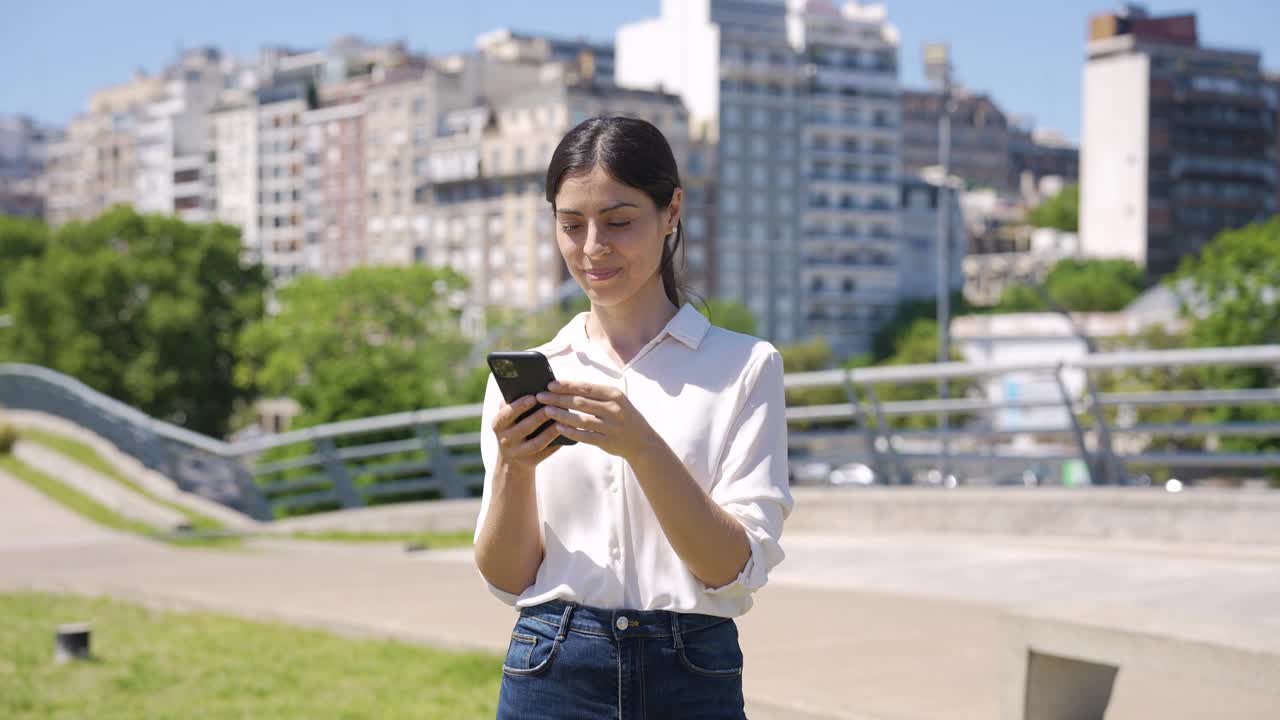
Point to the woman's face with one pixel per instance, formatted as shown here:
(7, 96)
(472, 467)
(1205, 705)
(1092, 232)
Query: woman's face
(611, 235)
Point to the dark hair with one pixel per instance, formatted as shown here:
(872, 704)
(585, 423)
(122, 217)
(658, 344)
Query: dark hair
(634, 153)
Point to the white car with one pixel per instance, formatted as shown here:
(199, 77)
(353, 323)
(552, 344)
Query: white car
(852, 474)
(809, 473)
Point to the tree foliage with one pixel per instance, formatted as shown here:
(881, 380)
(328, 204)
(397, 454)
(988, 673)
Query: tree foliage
(374, 341)
(143, 308)
(1061, 212)
(1094, 285)
(1232, 295)
(730, 315)
(20, 239)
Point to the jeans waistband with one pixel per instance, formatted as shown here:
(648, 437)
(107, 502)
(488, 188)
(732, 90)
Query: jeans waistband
(619, 623)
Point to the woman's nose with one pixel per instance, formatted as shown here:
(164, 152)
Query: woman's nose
(593, 246)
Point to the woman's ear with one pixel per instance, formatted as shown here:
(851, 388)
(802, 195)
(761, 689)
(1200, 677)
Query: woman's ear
(673, 210)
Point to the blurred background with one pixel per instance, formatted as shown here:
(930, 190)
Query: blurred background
(1022, 261)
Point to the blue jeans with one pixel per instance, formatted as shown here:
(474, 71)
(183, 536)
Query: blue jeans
(571, 662)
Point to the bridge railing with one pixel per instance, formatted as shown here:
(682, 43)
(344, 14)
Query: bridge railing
(990, 435)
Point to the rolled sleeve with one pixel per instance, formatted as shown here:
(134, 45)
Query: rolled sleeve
(752, 484)
(489, 456)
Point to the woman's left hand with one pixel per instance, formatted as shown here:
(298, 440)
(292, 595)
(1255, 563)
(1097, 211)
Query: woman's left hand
(598, 415)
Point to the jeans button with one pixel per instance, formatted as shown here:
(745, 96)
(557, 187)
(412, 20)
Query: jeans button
(622, 623)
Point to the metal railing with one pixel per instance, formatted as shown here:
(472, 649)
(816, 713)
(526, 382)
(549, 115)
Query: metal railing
(435, 453)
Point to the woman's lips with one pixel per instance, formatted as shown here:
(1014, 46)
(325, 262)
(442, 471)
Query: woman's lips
(599, 275)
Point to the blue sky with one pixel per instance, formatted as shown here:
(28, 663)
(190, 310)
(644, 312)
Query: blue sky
(1027, 53)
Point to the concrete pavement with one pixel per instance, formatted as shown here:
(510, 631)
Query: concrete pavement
(852, 628)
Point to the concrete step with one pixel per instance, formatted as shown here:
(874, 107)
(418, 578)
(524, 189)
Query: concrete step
(104, 490)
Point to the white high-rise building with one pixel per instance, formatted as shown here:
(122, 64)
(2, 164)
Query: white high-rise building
(234, 142)
(1177, 140)
(850, 231)
(800, 99)
(172, 139)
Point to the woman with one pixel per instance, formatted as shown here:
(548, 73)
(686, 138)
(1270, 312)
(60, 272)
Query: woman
(630, 553)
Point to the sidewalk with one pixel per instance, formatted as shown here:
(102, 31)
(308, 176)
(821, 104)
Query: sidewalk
(852, 629)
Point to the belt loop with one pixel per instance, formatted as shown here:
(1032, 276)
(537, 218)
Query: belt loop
(675, 630)
(564, 621)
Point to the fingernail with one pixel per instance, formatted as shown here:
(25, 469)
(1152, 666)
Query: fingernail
(542, 397)
(553, 386)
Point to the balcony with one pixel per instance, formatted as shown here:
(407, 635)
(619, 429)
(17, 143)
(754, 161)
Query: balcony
(848, 260)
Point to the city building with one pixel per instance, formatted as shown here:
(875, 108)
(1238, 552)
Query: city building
(1178, 140)
(95, 166)
(987, 275)
(399, 120)
(233, 123)
(300, 209)
(981, 138)
(482, 189)
(800, 101)
(334, 177)
(1040, 162)
(173, 174)
(917, 256)
(524, 49)
(1274, 80)
(24, 146)
(850, 233)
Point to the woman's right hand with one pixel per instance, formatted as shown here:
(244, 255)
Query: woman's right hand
(513, 449)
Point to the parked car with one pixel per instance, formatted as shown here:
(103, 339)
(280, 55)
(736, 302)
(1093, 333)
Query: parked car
(810, 473)
(856, 474)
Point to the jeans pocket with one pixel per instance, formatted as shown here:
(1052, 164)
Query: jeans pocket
(532, 648)
(711, 651)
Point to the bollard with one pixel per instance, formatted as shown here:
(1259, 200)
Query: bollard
(71, 643)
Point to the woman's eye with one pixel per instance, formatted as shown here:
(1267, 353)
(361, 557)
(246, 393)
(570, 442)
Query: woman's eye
(568, 228)
(621, 224)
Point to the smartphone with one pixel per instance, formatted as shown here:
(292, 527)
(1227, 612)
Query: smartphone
(520, 373)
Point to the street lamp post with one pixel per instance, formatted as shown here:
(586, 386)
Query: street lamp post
(937, 62)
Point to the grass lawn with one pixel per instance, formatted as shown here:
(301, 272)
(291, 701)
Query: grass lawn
(87, 456)
(432, 541)
(201, 666)
(86, 506)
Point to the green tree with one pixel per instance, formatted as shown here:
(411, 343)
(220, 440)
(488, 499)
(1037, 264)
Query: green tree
(374, 341)
(1094, 285)
(143, 308)
(809, 356)
(918, 346)
(730, 315)
(1019, 298)
(1062, 211)
(20, 239)
(885, 341)
(1231, 293)
(1079, 285)
(1236, 283)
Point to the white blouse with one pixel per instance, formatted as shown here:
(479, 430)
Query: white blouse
(716, 398)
